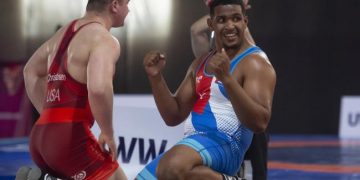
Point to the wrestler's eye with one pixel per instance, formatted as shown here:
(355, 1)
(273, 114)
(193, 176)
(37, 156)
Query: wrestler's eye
(237, 18)
(220, 19)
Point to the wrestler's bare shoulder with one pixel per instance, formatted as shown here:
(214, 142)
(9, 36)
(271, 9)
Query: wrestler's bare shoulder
(96, 33)
(257, 61)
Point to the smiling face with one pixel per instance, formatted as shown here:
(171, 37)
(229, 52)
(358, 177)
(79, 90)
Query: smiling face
(229, 23)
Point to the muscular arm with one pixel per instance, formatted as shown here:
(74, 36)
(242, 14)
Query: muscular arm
(248, 36)
(35, 73)
(252, 101)
(250, 88)
(174, 108)
(200, 40)
(100, 71)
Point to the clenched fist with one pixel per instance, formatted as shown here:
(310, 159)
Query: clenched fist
(219, 65)
(154, 62)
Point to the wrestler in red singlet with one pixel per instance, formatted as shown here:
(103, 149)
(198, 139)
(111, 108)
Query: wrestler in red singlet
(61, 141)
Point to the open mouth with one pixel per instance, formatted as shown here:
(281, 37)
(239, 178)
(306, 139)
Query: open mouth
(230, 35)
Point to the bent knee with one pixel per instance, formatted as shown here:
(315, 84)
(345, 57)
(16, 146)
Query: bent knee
(171, 169)
(201, 172)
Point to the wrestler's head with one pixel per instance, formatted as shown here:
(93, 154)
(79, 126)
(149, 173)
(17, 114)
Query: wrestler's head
(228, 21)
(118, 9)
(214, 3)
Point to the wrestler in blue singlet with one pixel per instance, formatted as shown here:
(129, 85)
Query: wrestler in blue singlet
(213, 129)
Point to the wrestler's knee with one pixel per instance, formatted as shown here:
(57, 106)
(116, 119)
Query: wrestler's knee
(170, 169)
(201, 172)
(118, 175)
(193, 174)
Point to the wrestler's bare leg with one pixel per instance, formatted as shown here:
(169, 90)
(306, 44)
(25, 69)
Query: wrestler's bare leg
(182, 162)
(118, 175)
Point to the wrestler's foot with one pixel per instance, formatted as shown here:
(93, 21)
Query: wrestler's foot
(49, 177)
(241, 172)
(227, 177)
(22, 173)
(34, 174)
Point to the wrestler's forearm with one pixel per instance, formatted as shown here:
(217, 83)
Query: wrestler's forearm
(249, 112)
(165, 101)
(101, 103)
(249, 37)
(200, 42)
(35, 87)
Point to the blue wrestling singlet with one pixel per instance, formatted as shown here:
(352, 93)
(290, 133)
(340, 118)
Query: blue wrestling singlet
(213, 129)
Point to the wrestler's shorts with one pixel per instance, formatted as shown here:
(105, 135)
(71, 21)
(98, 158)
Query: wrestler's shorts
(69, 151)
(218, 151)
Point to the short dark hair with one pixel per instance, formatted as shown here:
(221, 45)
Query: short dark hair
(212, 4)
(97, 5)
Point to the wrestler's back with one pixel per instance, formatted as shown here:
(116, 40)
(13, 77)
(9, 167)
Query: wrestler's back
(79, 48)
(61, 141)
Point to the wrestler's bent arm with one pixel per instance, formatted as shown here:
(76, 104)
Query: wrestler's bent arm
(251, 97)
(35, 73)
(200, 40)
(174, 108)
(252, 102)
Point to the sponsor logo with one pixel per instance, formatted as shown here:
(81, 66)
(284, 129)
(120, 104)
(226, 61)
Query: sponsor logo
(198, 79)
(145, 154)
(53, 95)
(56, 77)
(354, 119)
(79, 176)
(202, 95)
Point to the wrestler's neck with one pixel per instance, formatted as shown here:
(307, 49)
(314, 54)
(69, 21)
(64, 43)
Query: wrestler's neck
(234, 51)
(103, 18)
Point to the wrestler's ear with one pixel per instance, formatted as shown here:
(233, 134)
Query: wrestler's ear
(113, 5)
(210, 24)
(246, 19)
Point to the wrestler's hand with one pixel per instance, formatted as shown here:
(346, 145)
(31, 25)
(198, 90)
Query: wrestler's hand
(154, 62)
(247, 5)
(109, 141)
(219, 65)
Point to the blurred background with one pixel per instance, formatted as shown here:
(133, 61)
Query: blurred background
(312, 45)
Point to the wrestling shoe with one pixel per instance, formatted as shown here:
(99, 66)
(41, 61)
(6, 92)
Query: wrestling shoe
(227, 177)
(49, 177)
(34, 174)
(22, 173)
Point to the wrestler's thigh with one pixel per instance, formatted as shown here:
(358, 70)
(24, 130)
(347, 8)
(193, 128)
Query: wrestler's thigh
(181, 156)
(118, 175)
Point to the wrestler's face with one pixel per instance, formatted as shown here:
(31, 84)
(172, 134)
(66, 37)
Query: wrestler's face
(121, 10)
(229, 24)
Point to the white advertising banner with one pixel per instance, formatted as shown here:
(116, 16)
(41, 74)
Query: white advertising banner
(140, 131)
(350, 117)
